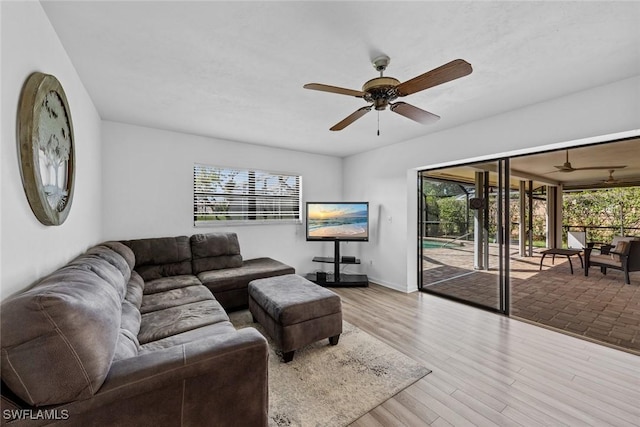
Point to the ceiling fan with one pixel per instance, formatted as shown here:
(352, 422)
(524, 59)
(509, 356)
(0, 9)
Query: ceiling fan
(381, 91)
(611, 179)
(609, 182)
(566, 167)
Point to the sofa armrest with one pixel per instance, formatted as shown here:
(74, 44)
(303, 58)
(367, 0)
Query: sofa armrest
(604, 249)
(221, 379)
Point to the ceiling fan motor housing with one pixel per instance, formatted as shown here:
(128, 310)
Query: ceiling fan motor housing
(380, 91)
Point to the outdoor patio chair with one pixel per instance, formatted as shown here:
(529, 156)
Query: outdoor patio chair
(623, 254)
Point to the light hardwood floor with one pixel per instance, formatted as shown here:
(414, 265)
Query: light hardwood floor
(491, 370)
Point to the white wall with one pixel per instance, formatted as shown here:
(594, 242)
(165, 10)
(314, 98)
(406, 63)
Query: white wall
(148, 188)
(31, 250)
(145, 189)
(386, 177)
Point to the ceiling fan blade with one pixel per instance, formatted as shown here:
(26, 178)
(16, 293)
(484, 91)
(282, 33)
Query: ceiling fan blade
(352, 118)
(414, 113)
(587, 168)
(334, 89)
(445, 73)
(566, 167)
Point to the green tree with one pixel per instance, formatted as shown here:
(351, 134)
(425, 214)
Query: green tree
(616, 208)
(453, 215)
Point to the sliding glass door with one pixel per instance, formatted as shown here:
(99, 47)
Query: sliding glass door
(464, 230)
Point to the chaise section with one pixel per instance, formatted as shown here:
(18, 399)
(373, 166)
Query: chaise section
(219, 266)
(230, 284)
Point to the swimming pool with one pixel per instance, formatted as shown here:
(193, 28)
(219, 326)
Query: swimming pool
(427, 244)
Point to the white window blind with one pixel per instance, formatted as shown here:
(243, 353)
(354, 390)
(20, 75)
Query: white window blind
(223, 194)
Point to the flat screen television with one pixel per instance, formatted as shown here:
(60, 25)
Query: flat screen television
(338, 221)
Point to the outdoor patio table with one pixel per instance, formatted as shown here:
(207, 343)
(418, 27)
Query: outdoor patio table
(566, 252)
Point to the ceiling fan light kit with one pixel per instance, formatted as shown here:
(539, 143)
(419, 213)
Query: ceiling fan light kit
(379, 92)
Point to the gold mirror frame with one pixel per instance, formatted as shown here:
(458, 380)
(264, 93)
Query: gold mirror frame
(46, 148)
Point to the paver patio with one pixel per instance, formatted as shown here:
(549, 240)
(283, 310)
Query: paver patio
(597, 307)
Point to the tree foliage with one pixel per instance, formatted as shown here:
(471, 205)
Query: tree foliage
(604, 213)
(618, 209)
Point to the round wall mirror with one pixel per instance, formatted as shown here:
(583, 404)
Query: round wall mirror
(47, 159)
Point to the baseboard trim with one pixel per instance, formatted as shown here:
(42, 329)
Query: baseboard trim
(394, 286)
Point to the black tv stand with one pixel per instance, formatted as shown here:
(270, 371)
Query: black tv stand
(338, 280)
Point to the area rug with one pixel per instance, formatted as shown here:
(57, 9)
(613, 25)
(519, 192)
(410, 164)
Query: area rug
(328, 385)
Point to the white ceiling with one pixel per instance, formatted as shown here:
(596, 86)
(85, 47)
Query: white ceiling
(235, 70)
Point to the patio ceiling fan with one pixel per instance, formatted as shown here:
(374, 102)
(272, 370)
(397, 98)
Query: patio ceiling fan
(567, 167)
(611, 180)
(604, 183)
(381, 91)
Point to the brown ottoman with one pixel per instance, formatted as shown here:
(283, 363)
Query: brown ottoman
(295, 312)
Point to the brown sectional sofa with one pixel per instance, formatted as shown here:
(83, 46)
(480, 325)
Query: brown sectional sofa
(136, 333)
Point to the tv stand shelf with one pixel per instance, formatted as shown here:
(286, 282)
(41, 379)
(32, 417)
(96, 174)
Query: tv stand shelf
(345, 280)
(338, 279)
(331, 260)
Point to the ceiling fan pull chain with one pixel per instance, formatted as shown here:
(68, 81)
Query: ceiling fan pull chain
(378, 122)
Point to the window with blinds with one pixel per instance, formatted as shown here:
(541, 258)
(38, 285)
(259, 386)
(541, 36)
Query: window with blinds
(223, 194)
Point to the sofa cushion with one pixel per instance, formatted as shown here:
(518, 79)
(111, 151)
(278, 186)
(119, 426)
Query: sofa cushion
(135, 289)
(215, 251)
(59, 338)
(123, 250)
(207, 331)
(161, 257)
(174, 298)
(622, 247)
(131, 318)
(618, 239)
(175, 320)
(126, 346)
(605, 259)
(122, 258)
(103, 269)
(167, 283)
(235, 278)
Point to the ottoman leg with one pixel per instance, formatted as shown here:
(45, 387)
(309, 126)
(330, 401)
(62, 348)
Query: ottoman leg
(334, 339)
(288, 356)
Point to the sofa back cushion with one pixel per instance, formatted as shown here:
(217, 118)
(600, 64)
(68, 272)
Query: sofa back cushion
(161, 256)
(215, 251)
(128, 345)
(135, 290)
(59, 337)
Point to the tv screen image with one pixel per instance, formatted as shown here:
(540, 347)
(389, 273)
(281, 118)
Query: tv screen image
(338, 221)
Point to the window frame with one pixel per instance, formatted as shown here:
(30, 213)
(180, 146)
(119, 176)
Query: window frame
(250, 195)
